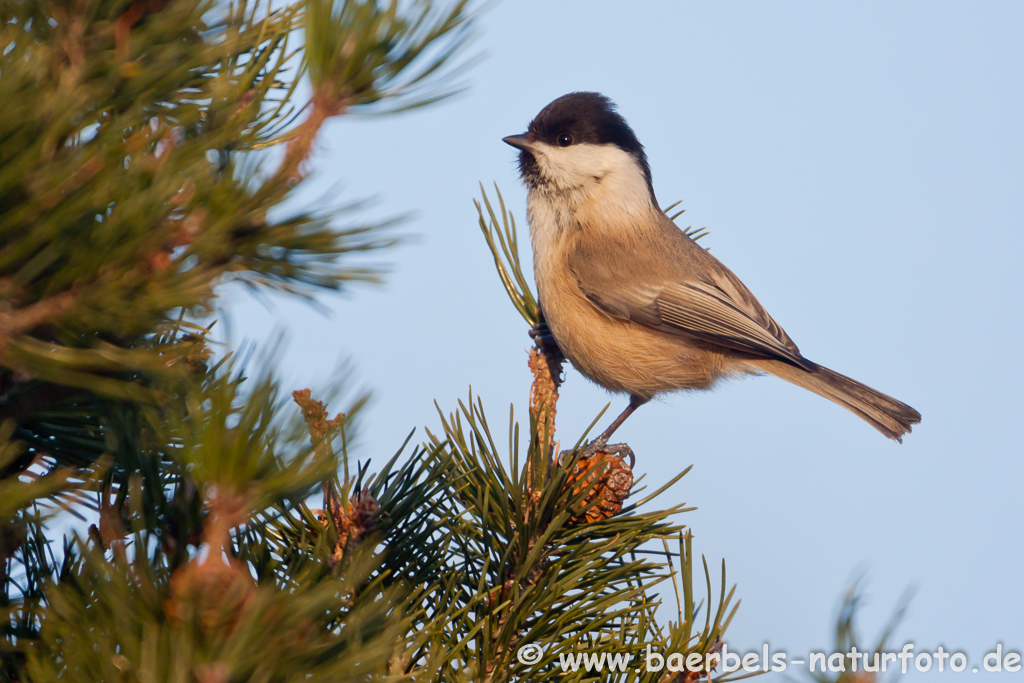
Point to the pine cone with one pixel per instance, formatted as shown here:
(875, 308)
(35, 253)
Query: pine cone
(353, 523)
(215, 592)
(362, 509)
(609, 488)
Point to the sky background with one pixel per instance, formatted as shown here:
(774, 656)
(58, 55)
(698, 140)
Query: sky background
(860, 168)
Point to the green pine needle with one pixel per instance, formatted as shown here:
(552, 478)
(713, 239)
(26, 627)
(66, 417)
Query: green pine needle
(503, 242)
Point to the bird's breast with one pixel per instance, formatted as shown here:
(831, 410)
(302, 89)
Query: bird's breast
(620, 355)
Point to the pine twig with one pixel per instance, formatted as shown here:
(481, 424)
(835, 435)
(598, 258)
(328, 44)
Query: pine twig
(322, 107)
(547, 372)
(42, 312)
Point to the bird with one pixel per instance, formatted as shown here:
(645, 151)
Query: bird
(635, 304)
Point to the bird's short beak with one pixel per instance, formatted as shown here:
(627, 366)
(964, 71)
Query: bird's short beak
(519, 142)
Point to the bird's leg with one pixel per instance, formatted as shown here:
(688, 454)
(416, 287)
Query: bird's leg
(600, 444)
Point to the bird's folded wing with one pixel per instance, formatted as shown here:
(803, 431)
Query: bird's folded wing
(701, 310)
(708, 313)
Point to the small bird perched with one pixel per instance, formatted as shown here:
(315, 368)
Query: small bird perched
(630, 300)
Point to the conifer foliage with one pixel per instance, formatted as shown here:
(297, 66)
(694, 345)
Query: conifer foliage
(146, 148)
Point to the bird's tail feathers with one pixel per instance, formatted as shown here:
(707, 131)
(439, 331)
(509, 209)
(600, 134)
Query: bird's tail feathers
(889, 416)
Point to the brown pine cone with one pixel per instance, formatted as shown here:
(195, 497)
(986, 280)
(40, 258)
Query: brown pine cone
(609, 488)
(215, 592)
(353, 522)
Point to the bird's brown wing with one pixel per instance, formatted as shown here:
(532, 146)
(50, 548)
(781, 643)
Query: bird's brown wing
(696, 296)
(708, 313)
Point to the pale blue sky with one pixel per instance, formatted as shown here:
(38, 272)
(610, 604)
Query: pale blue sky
(860, 167)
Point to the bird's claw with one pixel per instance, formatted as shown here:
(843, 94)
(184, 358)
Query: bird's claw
(545, 341)
(601, 445)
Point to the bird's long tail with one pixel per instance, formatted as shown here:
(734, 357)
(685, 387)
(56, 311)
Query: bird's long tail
(884, 413)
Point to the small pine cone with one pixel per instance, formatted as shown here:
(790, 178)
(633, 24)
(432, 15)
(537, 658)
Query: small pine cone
(609, 488)
(214, 592)
(362, 511)
(352, 523)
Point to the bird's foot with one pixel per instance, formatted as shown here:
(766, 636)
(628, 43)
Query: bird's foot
(545, 341)
(601, 445)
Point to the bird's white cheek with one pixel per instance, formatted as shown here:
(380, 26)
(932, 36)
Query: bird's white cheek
(578, 166)
(599, 186)
(595, 171)
(560, 174)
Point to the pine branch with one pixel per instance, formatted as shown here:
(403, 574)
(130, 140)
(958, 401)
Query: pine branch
(131, 186)
(45, 312)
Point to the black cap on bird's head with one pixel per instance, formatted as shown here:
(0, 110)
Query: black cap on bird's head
(574, 119)
(588, 117)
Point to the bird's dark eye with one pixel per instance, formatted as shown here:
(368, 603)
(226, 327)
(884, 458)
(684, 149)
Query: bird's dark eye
(564, 140)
